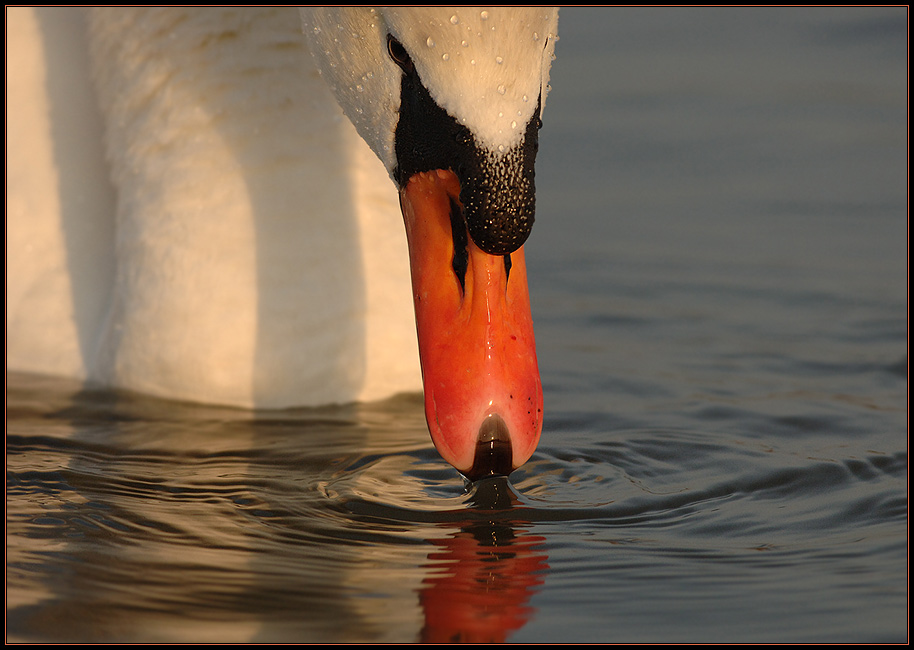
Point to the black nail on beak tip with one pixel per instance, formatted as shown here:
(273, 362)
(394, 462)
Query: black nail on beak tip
(494, 454)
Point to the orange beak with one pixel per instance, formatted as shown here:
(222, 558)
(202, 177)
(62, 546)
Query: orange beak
(483, 396)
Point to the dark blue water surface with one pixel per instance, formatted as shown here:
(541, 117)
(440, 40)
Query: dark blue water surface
(719, 281)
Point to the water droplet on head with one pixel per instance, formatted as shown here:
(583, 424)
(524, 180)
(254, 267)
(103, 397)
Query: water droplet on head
(513, 124)
(454, 19)
(445, 56)
(430, 42)
(499, 60)
(501, 90)
(464, 44)
(483, 15)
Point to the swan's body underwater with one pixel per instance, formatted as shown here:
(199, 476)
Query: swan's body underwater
(236, 241)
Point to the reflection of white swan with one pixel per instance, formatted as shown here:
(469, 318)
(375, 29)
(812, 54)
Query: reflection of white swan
(251, 250)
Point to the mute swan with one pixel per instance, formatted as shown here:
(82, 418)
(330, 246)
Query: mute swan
(248, 249)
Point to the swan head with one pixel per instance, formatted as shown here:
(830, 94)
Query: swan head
(450, 100)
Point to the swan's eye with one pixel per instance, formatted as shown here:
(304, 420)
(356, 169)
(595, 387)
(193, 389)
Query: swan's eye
(399, 55)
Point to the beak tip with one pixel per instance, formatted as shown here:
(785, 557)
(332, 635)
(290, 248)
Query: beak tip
(494, 452)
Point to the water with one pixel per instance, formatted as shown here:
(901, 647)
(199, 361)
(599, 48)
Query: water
(719, 282)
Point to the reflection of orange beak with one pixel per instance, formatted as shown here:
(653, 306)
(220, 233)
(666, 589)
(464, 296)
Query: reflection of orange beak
(479, 588)
(483, 397)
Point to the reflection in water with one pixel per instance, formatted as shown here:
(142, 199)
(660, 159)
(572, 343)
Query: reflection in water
(485, 574)
(157, 522)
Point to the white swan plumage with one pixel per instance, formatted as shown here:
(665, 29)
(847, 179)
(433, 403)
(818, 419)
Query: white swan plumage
(235, 241)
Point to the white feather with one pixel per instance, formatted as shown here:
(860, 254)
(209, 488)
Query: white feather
(248, 249)
(501, 58)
